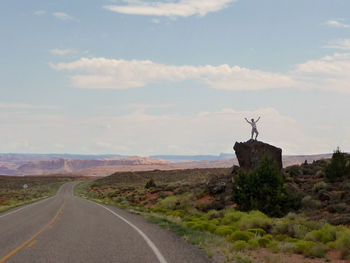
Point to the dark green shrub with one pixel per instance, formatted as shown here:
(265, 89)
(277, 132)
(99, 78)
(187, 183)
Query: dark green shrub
(343, 244)
(240, 245)
(301, 246)
(254, 219)
(287, 247)
(316, 251)
(340, 208)
(169, 202)
(240, 235)
(283, 227)
(281, 237)
(253, 244)
(264, 241)
(262, 189)
(224, 230)
(319, 186)
(338, 168)
(323, 235)
(179, 213)
(232, 217)
(150, 183)
(309, 203)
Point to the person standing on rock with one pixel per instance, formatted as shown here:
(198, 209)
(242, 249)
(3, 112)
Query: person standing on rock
(254, 129)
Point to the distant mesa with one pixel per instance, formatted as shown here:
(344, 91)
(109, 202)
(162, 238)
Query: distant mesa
(250, 153)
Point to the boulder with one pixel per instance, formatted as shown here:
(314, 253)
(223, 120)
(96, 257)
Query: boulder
(250, 153)
(216, 185)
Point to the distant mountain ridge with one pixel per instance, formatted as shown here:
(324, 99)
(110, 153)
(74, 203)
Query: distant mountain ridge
(21, 158)
(183, 158)
(103, 165)
(72, 165)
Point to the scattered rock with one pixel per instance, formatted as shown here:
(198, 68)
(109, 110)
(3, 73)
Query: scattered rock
(250, 153)
(216, 185)
(324, 195)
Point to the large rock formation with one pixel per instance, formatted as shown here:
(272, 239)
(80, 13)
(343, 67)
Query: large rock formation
(250, 153)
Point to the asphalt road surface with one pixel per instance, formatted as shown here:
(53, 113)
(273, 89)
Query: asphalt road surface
(66, 228)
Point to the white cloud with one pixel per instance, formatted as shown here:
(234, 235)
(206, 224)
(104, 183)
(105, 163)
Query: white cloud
(40, 12)
(123, 74)
(63, 52)
(343, 44)
(337, 23)
(181, 8)
(63, 16)
(328, 73)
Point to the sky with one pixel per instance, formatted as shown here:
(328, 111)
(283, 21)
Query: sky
(140, 77)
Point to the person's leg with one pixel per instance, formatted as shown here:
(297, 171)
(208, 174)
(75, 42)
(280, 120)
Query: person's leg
(256, 134)
(252, 134)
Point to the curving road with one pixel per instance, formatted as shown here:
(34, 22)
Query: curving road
(66, 228)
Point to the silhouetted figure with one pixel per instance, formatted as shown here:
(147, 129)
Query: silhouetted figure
(254, 129)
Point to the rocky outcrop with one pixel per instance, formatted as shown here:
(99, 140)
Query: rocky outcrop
(250, 153)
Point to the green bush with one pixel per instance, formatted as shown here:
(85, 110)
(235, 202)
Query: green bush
(216, 221)
(338, 168)
(319, 186)
(331, 245)
(303, 247)
(182, 202)
(316, 251)
(185, 201)
(168, 202)
(224, 230)
(323, 235)
(253, 244)
(240, 245)
(254, 219)
(150, 184)
(232, 217)
(308, 203)
(343, 243)
(264, 241)
(213, 214)
(274, 246)
(283, 227)
(287, 247)
(240, 235)
(262, 189)
(281, 237)
(198, 226)
(179, 213)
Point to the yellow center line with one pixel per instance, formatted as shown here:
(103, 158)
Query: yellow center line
(32, 243)
(34, 236)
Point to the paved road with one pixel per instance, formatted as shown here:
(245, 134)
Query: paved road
(70, 229)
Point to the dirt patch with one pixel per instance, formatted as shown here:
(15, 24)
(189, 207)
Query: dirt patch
(204, 199)
(149, 197)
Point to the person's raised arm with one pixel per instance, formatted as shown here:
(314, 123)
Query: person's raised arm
(258, 119)
(247, 120)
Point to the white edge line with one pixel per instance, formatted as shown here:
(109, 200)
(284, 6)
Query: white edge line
(26, 206)
(148, 241)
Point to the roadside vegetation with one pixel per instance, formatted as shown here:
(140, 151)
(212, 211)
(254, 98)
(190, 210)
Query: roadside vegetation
(12, 193)
(304, 219)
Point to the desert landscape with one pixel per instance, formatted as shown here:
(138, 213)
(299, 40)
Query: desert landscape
(97, 166)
